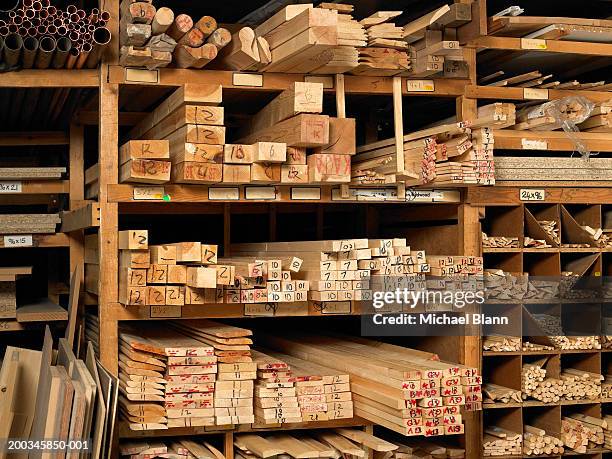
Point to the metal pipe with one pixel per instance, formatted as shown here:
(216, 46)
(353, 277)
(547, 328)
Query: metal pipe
(4, 31)
(1, 48)
(62, 31)
(12, 14)
(41, 29)
(52, 10)
(17, 20)
(43, 14)
(51, 30)
(72, 57)
(27, 3)
(2, 23)
(105, 16)
(71, 9)
(83, 56)
(101, 37)
(74, 35)
(8, 5)
(46, 3)
(32, 32)
(37, 5)
(58, 23)
(45, 52)
(64, 45)
(13, 45)
(81, 14)
(30, 48)
(13, 28)
(22, 31)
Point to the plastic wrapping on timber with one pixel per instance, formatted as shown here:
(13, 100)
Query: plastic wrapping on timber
(567, 113)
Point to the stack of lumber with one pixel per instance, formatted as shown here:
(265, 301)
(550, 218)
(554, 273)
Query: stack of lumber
(234, 388)
(551, 229)
(500, 394)
(581, 385)
(426, 155)
(144, 161)
(536, 442)
(541, 290)
(498, 441)
(155, 37)
(293, 118)
(501, 343)
(535, 243)
(536, 79)
(312, 444)
(179, 448)
(552, 115)
(536, 347)
(410, 392)
(28, 223)
(580, 432)
(167, 379)
(535, 384)
(276, 400)
(191, 122)
(576, 342)
(600, 119)
(297, 35)
(8, 289)
(31, 173)
(499, 241)
(502, 285)
(386, 53)
(246, 51)
(545, 170)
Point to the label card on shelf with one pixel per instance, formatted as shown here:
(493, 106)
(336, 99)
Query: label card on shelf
(247, 79)
(420, 86)
(224, 194)
(260, 309)
(328, 82)
(535, 93)
(533, 43)
(260, 192)
(19, 240)
(413, 195)
(166, 311)
(141, 75)
(532, 144)
(148, 193)
(529, 194)
(335, 307)
(10, 187)
(305, 194)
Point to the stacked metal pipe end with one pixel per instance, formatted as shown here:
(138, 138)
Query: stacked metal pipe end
(36, 34)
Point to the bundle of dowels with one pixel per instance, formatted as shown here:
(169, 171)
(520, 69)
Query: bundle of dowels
(408, 391)
(580, 384)
(155, 37)
(501, 343)
(498, 441)
(502, 285)
(499, 241)
(580, 432)
(536, 347)
(550, 227)
(236, 371)
(537, 442)
(500, 394)
(576, 342)
(535, 384)
(179, 448)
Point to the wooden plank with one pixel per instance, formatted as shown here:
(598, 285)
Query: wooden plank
(87, 216)
(41, 311)
(305, 130)
(8, 391)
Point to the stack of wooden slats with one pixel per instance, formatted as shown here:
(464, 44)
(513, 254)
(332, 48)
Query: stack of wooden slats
(192, 123)
(581, 433)
(234, 389)
(144, 161)
(179, 448)
(154, 38)
(501, 442)
(580, 384)
(502, 285)
(31, 173)
(536, 79)
(551, 115)
(537, 442)
(297, 35)
(167, 379)
(499, 394)
(499, 241)
(600, 119)
(28, 223)
(312, 444)
(501, 343)
(408, 391)
(8, 289)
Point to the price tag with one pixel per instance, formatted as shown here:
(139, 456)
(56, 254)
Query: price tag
(420, 85)
(224, 194)
(526, 194)
(530, 144)
(148, 193)
(305, 194)
(166, 311)
(260, 309)
(533, 43)
(10, 187)
(535, 93)
(260, 192)
(20, 240)
(247, 79)
(141, 75)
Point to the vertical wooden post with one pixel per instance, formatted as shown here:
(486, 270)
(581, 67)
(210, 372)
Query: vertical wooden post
(398, 123)
(227, 229)
(341, 113)
(228, 445)
(77, 191)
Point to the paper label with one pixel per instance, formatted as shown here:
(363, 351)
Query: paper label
(20, 240)
(533, 43)
(420, 86)
(166, 311)
(10, 187)
(260, 309)
(413, 195)
(535, 93)
(224, 194)
(260, 192)
(247, 79)
(305, 194)
(532, 194)
(141, 75)
(148, 193)
(530, 144)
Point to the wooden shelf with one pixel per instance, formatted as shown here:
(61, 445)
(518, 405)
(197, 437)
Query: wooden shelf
(275, 81)
(508, 139)
(172, 193)
(492, 196)
(44, 240)
(88, 78)
(548, 46)
(22, 139)
(125, 432)
(510, 93)
(39, 187)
